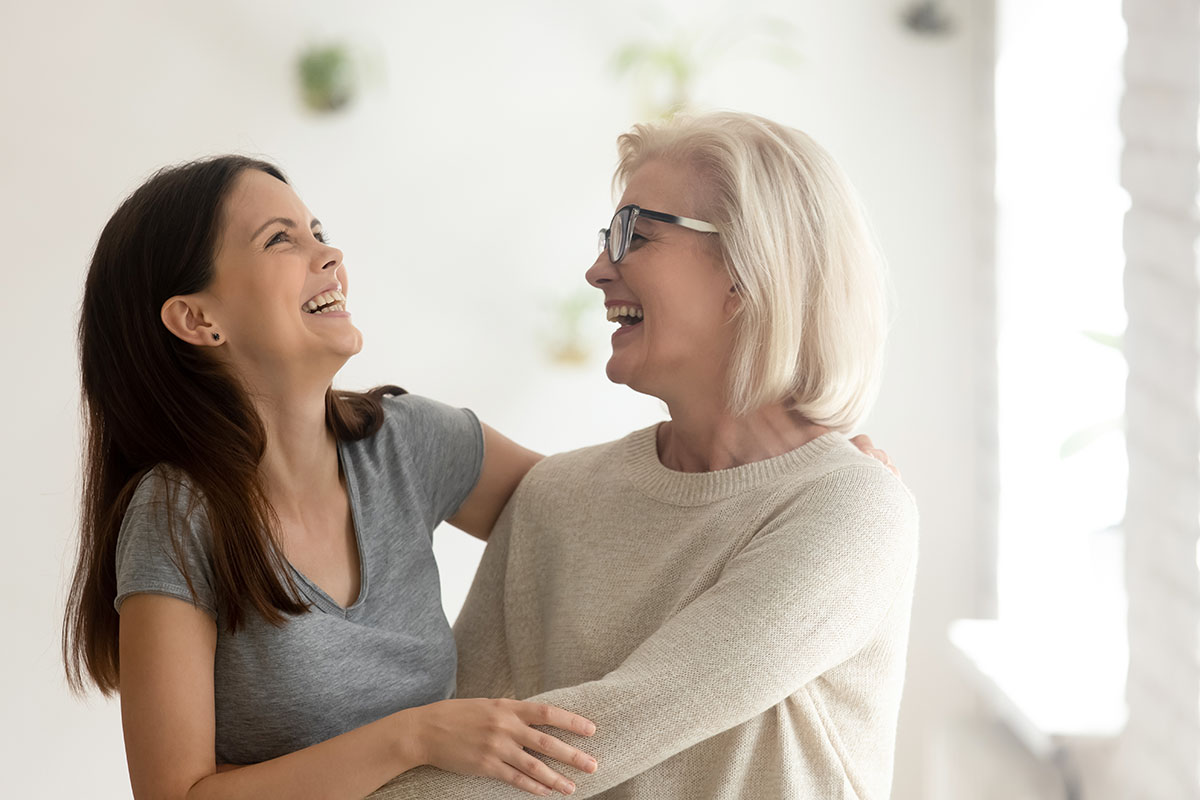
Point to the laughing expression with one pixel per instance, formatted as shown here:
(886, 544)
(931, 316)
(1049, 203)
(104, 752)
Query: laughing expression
(279, 289)
(670, 295)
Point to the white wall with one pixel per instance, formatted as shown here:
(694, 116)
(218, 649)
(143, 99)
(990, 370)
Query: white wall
(465, 188)
(1160, 749)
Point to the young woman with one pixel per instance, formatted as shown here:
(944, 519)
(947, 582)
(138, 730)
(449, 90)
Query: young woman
(265, 539)
(726, 594)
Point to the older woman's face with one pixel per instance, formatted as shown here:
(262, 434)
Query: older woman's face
(271, 267)
(675, 278)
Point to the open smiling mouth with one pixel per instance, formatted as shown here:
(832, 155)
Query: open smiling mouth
(627, 316)
(325, 302)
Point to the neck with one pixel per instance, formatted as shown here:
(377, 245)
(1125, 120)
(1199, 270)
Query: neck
(300, 463)
(703, 436)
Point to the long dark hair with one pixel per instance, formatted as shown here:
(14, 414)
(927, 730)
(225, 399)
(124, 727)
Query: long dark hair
(151, 399)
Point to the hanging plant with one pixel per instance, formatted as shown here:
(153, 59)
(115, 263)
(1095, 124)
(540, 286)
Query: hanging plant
(665, 70)
(927, 18)
(567, 345)
(327, 78)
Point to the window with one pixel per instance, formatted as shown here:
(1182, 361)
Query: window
(1061, 313)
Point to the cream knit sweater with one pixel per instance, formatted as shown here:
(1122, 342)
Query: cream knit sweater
(733, 634)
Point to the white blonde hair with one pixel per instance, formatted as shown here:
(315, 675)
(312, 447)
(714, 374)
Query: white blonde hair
(796, 243)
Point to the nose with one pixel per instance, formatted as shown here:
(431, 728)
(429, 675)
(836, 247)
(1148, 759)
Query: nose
(329, 258)
(328, 261)
(601, 271)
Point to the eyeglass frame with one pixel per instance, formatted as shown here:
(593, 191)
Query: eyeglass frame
(635, 212)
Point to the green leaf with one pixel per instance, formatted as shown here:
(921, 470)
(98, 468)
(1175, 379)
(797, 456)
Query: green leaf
(631, 55)
(1113, 340)
(1080, 440)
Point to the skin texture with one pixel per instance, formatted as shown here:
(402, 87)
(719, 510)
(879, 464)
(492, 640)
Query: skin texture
(271, 258)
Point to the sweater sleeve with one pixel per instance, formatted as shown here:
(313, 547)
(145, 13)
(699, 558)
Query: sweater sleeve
(806, 593)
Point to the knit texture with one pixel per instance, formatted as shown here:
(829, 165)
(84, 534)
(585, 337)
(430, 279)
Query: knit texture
(733, 634)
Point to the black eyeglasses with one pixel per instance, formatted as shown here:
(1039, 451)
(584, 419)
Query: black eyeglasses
(619, 233)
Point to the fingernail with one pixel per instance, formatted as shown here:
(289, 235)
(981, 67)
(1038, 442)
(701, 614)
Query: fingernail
(567, 788)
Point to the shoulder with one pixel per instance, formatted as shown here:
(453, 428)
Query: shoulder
(843, 466)
(165, 514)
(164, 489)
(584, 463)
(165, 542)
(412, 421)
(409, 406)
(560, 477)
(413, 414)
(422, 443)
(851, 493)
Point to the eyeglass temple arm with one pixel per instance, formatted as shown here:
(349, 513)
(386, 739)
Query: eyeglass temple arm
(685, 222)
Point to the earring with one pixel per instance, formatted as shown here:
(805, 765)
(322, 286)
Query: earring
(216, 337)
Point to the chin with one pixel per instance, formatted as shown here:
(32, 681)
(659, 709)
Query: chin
(627, 376)
(351, 344)
(616, 372)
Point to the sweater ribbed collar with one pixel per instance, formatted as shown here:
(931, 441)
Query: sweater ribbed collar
(649, 475)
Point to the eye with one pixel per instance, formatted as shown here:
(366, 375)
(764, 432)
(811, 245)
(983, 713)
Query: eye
(321, 237)
(277, 238)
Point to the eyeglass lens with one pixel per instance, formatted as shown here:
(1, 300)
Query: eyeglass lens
(618, 237)
(615, 238)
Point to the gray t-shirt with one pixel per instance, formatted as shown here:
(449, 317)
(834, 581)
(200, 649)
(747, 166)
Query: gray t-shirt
(333, 669)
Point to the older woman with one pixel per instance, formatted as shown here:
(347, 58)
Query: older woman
(725, 594)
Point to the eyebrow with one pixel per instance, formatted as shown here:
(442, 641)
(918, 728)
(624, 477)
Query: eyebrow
(291, 223)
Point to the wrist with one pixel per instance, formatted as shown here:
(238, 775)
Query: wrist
(407, 740)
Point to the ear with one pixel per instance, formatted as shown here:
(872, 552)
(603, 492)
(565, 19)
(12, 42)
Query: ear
(183, 317)
(733, 300)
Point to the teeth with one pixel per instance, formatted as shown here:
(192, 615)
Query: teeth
(324, 298)
(334, 307)
(623, 311)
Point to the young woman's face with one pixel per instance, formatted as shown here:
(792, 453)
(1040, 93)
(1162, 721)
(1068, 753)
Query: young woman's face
(272, 269)
(676, 279)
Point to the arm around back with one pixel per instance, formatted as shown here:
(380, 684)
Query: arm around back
(504, 465)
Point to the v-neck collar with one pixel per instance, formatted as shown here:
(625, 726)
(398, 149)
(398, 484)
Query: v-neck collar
(309, 587)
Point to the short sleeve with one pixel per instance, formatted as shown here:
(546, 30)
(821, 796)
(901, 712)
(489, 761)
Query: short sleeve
(159, 535)
(446, 448)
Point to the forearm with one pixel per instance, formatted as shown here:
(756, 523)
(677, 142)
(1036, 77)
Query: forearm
(644, 712)
(803, 597)
(351, 765)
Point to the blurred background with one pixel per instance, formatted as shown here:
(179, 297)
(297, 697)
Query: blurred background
(1030, 167)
